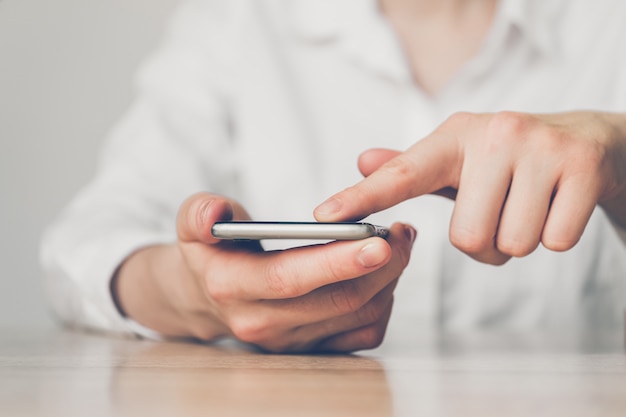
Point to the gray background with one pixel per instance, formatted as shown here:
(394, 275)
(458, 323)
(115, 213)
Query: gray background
(66, 69)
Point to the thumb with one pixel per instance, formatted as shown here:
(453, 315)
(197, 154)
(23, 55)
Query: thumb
(372, 159)
(197, 215)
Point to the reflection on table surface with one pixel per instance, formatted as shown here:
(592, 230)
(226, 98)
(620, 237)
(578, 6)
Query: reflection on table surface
(65, 373)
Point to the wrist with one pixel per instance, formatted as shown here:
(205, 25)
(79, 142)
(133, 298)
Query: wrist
(155, 289)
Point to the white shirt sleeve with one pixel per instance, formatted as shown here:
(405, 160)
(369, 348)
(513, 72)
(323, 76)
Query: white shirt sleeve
(172, 143)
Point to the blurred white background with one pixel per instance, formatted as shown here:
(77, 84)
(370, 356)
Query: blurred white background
(66, 69)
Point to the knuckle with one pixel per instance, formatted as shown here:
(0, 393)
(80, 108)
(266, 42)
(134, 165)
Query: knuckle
(552, 138)
(401, 172)
(372, 336)
(459, 119)
(587, 158)
(557, 144)
(400, 166)
(365, 194)
(372, 311)
(281, 280)
(250, 330)
(509, 125)
(346, 297)
(558, 243)
(219, 291)
(517, 248)
(470, 241)
(362, 192)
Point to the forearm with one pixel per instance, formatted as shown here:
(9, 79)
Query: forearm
(154, 288)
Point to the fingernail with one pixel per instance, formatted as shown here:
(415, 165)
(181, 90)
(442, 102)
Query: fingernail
(330, 206)
(371, 255)
(410, 233)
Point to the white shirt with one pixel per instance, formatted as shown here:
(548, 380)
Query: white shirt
(271, 101)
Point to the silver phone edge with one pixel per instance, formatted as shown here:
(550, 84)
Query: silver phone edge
(296, 230)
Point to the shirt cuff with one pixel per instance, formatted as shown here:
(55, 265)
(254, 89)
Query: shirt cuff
(113, 254)
(78, 278)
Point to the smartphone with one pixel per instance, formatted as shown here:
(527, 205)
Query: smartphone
(244, 230)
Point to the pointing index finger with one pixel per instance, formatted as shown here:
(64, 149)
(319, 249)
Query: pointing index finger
(427, 166)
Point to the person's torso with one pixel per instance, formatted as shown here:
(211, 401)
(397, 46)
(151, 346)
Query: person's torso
(312, 86)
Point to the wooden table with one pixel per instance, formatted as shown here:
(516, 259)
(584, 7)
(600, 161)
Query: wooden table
(66, 374)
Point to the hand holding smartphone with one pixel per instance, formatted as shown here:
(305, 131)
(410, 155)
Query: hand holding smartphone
(247, 230)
